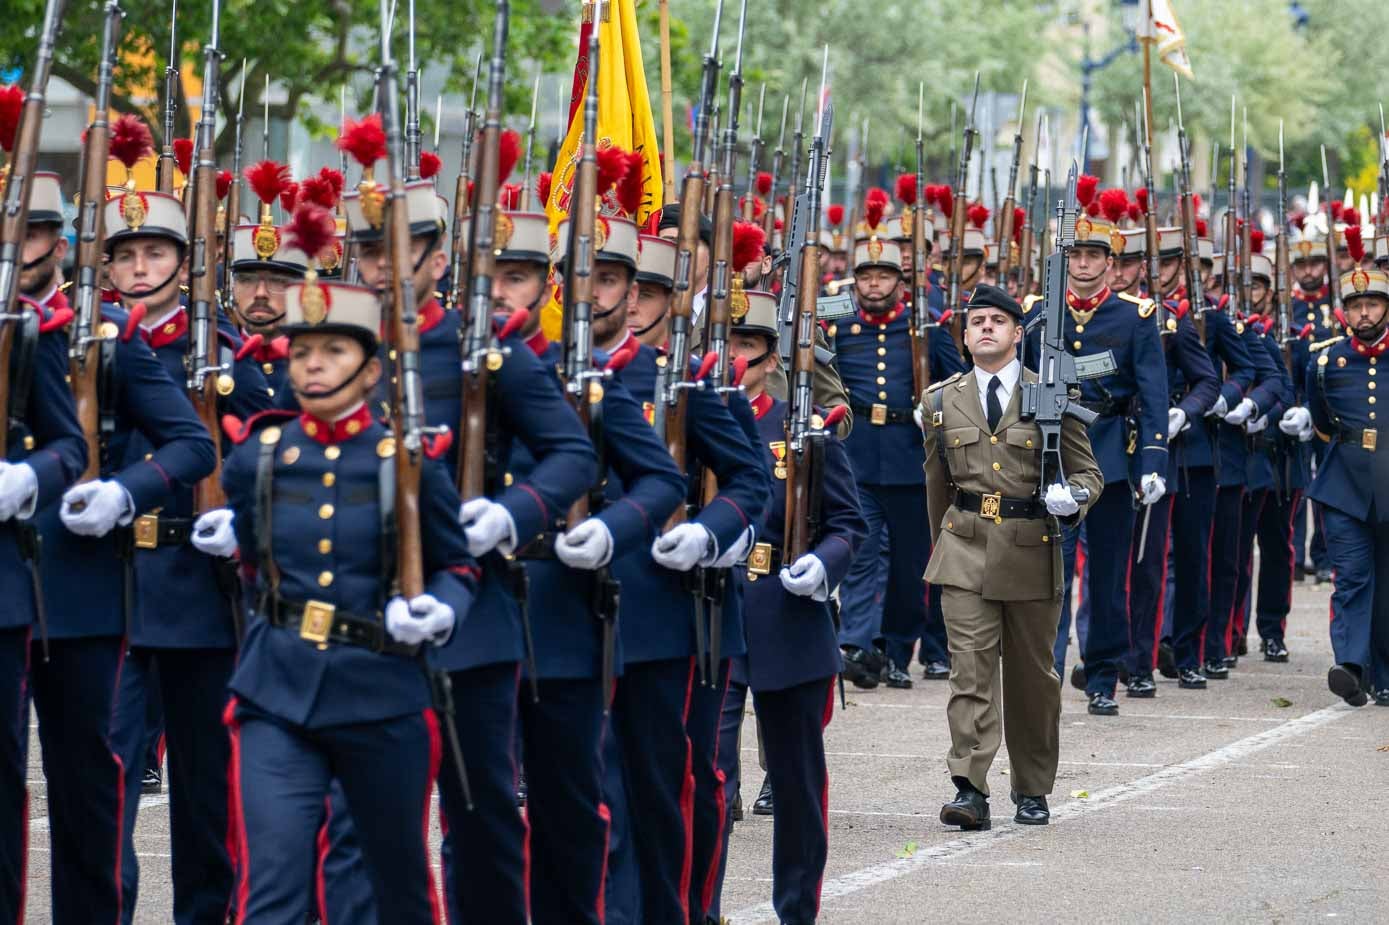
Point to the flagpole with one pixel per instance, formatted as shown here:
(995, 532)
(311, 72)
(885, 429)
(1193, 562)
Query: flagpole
(1148, 84)
(667, 116)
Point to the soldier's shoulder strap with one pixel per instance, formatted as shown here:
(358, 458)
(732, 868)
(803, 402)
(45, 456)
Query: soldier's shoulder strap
(1145, 306)
(1323, 344)
(1030, 302)
(937, 386)
(268, 423)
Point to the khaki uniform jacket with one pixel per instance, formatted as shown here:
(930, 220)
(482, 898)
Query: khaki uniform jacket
(1009, 559)
(825, 385)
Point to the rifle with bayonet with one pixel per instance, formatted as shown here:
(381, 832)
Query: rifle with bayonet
(458, 254)
(1235, 294)
(749, 209)
(716, 315)
(527, 193)
(1333, 244)
(802, 229)
(1282, 268)
(1191, 246)
(1026, 274)
(853, 185)
(778, 158)
(1005, 218)
(797, 147)
(164, 169)
(413, 138)
(921, 272)
(402, 336)
(1382, 213)
(1150, 226)
(711, 186)
(1048, 401)
(1246, 269)
(85, 352)
(233, 208)
(957, 228)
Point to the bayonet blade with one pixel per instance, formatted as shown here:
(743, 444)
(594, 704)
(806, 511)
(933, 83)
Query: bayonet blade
(241, 95)
(1325, 174)
(781, 135)
(742, 24)
(439, 118)
(973, 104)
(920, 109)
(1022, 105)
(1177, 87)
(718, 20)
(761, 99)
(820, 97)
(1280, 145)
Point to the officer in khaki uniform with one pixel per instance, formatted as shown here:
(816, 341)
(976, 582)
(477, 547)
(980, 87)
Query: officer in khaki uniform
(997, 556)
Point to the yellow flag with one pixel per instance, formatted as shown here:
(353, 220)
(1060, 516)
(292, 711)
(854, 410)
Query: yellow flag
(1160, 27)
(624, 118)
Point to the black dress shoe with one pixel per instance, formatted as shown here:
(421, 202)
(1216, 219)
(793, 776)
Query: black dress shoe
(1242, 647)
(1167, 660)
(969, 810)
(1215, 670)
(1382, 697)
(895, 677)
(936, 671)
(1344, 681)
(1191, 679)
(1078, 676)
(762, 806)
(1299, 572)
(1103, 705)
(861, 667)
(736, 814)
(1230, 661)
(1323, 575)
(152, 782)
(1274, 650)
(1031, 810)
(1141, 685)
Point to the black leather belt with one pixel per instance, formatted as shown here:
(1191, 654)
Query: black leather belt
(764, 559)
(542, 547)
(1105, 407)
(1366, 439)
(999, 507)
(880, 414)
(155, 530)
(324, 624)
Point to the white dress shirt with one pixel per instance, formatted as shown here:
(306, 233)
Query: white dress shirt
(1007, 379)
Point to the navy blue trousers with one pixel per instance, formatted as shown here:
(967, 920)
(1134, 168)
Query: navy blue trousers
(1225, 569)
(1318, 551)
(14, 788)
(730, 763)
(486, 849)
(193, 685)
(649, 714)
(282, 775)
(622, 889)
(709, 820)
(1193, 521)
(73, 692)
(883, 598)
(1109, 535)
(1251, 512)
(342, 888)
(1148, 586)
(1359, 551)
(1276, 563)
(562, 737)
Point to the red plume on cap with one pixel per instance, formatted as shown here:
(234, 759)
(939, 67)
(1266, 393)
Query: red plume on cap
(1355, 244)
(11, 105)
(631, 189)
(508, 153)
(947, 202)
(1086, 187)
(906, 189)
(224, 182)
(1140, 197)
(130, 140)
(318, 190)
(748, 238)
(334, 178)
(758, 207)
(1201, 228)
(364, 140)
(1350, 216)
(1093, 209)
(764, 183)
(1135, 212)
(542, 186)
(1256, 241)
(613, 165)
(311, 229)
(1337, 209)
(289, 196)
(268, 179)
(834, 214)
(1196, 202)
(874, 205)
(183, 155)
(1298, 220)
(1114, 203)
(429, 164)
(509, 196)
(978, 215)
(1019, 220)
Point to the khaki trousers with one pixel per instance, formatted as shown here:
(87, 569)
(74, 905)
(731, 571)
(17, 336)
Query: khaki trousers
(1019, 635)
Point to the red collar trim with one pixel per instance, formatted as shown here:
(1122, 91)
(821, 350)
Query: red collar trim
(273, 350)
(431, 313)
(761, 405)
(340, 430)
(1084, 305)
(884, 318)
(167, 331)
(538, 343)
(1378, 348)
(1316, 296)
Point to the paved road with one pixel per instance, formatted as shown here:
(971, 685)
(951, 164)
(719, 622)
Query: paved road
(1196, 804)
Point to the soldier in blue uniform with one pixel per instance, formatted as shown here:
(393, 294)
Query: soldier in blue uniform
(484, 849)
(1311, 308)
(792, 647)
(884, 601)
(1117, 336)
(45, 453)
(263, 266)
(183, 622)
(331, 685)
(1353, 487)
(87, 572)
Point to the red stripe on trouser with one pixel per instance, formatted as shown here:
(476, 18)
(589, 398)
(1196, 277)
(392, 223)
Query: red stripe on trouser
(599, 903)
(687, 789)
(323, 845)
(1293, 503)
(120, 780)
(431, 723)
(1162, 586)
(825, 792)
(1210, 561)
(1078, 578)
(1230, 616)
(23, 726)
(236, 819)
(711, 876)
(525, 819)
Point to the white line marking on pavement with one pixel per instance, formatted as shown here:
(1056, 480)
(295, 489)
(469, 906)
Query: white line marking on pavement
(1175, 717)
(40, 823)
(873, 875)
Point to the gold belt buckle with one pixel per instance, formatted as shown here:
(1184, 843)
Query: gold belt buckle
(1369, 438)
(990, 506)
(878, 415)
(316, 622)
(146, 531)
(760, 560)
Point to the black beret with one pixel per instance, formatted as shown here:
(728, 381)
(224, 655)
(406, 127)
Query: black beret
(993, 297)
(670, 218)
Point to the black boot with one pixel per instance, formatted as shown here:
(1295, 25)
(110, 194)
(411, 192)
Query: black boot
(969, 810)
(762, 806)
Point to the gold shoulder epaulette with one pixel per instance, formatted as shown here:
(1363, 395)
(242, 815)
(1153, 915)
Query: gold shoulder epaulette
(1323, 344)
(943, 383)
(1145, 306)
(1030, 302)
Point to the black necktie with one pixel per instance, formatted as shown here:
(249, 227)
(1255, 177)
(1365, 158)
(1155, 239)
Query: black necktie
(994, 409)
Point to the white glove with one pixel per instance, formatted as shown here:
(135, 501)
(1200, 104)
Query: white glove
(806, 578)
(1243, 412)
(1296, 421)
(588, 546)
(738, 551)
(487, 526)
(19, 491)
(213, 534)
(94, 508)
(1256, 425)
(1218, 409)
(684, 546)
(424, 619)
(1151, 488)
(1060, 501)
(1176, 422)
